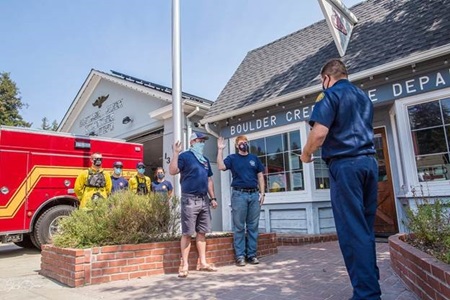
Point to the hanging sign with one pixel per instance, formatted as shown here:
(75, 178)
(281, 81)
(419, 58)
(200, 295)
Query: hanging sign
(340, 20)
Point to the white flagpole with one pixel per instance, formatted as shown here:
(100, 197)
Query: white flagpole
(176, 82)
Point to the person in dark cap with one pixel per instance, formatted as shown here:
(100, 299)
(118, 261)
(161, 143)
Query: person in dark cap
(196, 184)
(118, 181)
(140, 183)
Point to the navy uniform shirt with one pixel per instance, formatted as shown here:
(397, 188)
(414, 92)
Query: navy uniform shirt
(193, 174)
(348, 114)
(244, 169)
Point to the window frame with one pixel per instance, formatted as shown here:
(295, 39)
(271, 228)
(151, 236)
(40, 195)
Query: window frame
(406, 145)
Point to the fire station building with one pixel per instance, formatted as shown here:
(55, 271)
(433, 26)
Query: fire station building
(399, 54)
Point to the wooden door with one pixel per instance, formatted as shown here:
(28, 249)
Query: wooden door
(386, 217)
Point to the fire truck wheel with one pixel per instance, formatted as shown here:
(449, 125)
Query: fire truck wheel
(26, 242)
(47, 224)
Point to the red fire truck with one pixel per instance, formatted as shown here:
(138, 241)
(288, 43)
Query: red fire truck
(38, 172)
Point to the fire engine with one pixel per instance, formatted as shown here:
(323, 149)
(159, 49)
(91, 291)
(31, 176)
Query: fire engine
(38, 172)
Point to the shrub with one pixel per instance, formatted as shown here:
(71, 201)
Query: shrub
(430, 225)
(123, 218)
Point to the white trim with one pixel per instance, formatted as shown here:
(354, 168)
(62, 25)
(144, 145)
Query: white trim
(397, 154)
(409, 60)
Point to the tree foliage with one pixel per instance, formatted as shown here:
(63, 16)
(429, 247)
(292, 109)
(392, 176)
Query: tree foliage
(46, 125)
(10, 103)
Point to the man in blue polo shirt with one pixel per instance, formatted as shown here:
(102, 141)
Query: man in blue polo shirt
(196, 185)
(342, 125)
(246, 198)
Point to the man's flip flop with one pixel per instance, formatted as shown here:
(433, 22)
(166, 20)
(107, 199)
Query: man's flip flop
(183, 273)
(207, 268)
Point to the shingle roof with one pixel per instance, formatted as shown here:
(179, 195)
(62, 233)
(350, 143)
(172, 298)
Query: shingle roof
(388, 30)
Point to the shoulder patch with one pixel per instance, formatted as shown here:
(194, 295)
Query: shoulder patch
(320, 96)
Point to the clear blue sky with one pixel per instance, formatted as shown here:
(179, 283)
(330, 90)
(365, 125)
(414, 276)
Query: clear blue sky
(50, 46)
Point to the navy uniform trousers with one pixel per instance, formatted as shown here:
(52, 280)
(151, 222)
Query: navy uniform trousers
(354, 187)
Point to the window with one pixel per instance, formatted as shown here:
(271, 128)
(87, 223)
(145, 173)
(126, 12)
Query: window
(280, 154)
(430, 132)
(320, 171)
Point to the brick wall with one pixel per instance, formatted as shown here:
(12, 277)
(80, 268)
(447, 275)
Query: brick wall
(78, 267)
(286, 239)
(426, 276)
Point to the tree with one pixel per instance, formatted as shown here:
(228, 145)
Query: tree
(10, 103)
(46, 126)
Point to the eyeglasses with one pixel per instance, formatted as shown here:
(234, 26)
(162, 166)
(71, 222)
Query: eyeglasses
(118, 167)
(141, 168)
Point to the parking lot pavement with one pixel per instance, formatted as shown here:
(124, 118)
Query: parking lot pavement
(309, 272)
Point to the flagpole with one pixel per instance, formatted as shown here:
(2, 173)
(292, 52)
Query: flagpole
(176, 82)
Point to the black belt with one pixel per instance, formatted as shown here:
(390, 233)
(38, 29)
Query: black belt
(245, 190)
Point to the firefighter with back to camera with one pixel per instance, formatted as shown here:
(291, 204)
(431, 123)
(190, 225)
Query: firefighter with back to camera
(92, 184)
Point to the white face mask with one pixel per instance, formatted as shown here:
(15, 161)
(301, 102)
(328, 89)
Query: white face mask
(199, 147)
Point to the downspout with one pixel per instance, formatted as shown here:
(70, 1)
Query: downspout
(210, 131)
(189, 126)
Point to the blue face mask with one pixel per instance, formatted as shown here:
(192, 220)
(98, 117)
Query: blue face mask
(198, 147)
(117, 171)
(141, 170)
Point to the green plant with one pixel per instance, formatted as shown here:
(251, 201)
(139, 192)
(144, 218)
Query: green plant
(430, 227)
(123, 218)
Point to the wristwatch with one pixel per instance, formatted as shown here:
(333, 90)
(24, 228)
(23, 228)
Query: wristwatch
(215, 199)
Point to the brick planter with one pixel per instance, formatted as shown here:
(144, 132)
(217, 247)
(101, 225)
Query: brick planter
(78, 267)
(426, 276)
(286, 239)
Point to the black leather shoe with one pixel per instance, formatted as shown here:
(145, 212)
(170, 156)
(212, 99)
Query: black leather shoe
(253, 260)
(240, 262)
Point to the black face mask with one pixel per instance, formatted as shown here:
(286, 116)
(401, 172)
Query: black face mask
(97, 162)
(243, 147)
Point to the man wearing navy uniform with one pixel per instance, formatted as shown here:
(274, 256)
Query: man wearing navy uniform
(342, 125)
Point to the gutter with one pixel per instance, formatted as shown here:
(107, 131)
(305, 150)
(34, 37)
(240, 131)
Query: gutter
(412, 59)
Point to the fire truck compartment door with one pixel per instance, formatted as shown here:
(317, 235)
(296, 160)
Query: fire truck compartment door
(13, 189)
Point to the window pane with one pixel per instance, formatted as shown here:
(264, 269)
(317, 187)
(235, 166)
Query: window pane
(274, 144)
(320, 171)
(429, 141)
(297, 181)
(446, 110)
(433, 167)
(294, 142)
(275, 163)
(425, 115)
(277, 183)
(257, 147)
(293, 161)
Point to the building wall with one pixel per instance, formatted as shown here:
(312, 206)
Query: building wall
(108, 120)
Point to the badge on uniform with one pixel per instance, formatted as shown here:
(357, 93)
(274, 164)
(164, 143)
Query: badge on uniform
(320, 96)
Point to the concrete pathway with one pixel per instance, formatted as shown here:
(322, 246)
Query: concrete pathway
(309, 272)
